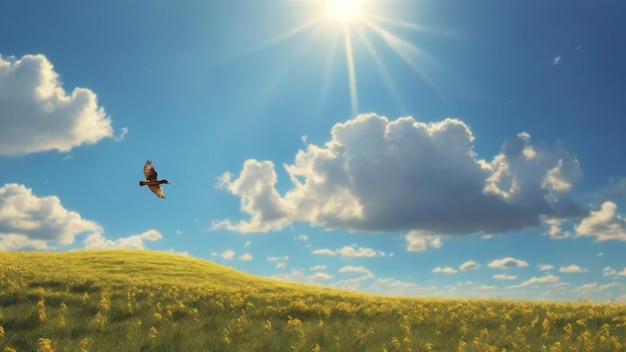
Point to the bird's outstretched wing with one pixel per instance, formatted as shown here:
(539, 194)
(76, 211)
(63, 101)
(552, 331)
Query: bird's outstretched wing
(156, 189)
(149, 171)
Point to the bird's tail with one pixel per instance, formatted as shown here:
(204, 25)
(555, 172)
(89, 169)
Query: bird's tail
(142, 183)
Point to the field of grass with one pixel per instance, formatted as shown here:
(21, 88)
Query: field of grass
(126, 300)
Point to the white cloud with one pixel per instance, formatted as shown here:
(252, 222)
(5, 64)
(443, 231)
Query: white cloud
(506, 263)
(98, 241)
(570, 269)
(228, 254)
(378, 175)
(123, 132)
(469, 265)
(603, 224)
(356, 269)
(31, 222)
(321, 276)
(504, 277)
(281, 265)
(446, 270)
(418, 241)
(37, 114)
(317, 267)
(348, 252)
(554, 229)
(245, 256)
(608, 271)
(303, 237)
(277, 259)
(534, 280)
(556, 60)
(545, 267)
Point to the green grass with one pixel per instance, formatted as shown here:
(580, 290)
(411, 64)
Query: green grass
(126, 300)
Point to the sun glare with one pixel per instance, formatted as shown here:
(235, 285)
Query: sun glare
(344, 10)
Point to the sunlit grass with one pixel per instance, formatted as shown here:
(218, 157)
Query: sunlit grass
(123, 300)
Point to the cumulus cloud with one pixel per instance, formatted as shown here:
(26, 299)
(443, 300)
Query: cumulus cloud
(350, 252)
(31, 222)
(418, 241)
(37, 114)
(446, 270)
(554, 229)
(356, 269)
(98, 241)
(545, 267)
(570, 269)
(245, 257)
(378, 175)
(504, 277)
(604, 224)
(321, 276)
(469, 265)
(228, 254)
(608, 271)
(506, 263)
(317, 267)
(535, 280)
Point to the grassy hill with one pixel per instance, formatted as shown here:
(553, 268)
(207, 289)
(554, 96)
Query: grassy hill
(127, 300)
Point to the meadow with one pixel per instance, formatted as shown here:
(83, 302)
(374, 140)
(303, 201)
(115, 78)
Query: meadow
(131, 300)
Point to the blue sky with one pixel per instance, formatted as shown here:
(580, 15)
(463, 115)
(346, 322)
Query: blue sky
(436, 148)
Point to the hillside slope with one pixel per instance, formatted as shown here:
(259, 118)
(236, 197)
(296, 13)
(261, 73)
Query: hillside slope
(128, 300)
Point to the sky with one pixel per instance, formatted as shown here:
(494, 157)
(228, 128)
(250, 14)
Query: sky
(419, 148)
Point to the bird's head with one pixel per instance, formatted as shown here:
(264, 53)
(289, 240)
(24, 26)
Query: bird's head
(165, 181)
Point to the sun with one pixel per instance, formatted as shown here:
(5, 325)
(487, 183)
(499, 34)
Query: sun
(344, 10)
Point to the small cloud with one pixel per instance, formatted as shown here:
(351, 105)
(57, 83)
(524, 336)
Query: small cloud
(507, 263)
(600, 254)
(304, 138)
(487, 236)
(604, 224)
(446, 270)
(247, 244)
(228, 254)
(317, 267)
(321, 276)
(535, 280)
(179, 232)
(570, 269)
(356, 269)
(303, 237)
(281, 265)
(608, 271)
(348, 252)
(555, 231)
(504, 277)
(120, 137)
(277, 259)
(67, 157)
(556, 60)
(418, 241)
(469, 265)
(98, 241)
(246, 257)
(545, 267)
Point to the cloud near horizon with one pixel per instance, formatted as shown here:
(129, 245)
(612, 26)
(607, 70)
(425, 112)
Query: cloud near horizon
(41, 223)
(377, 175)
(37, 114)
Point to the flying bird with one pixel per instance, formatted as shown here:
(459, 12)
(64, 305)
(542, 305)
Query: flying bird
(152, 182)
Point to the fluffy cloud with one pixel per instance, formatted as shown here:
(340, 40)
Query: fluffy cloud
(31, 222)
(228, 254)
(570, 269)
(446, 270)
(469, 265)
(245, 257)
(356, 269)
(350, 252)
(534, 280)
(379, 175)
(37, 114)
(545, 267)
(504, 277)
(98, 241)
(604, 224)
(321, 276)
(418, 241)
(554, 229)
(506, 263)
(317, 267)
(608, 271)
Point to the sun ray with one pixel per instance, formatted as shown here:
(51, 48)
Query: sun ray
(383, 69)
(403, 48)
(351, 73)
(328, 69)
(410, 25)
